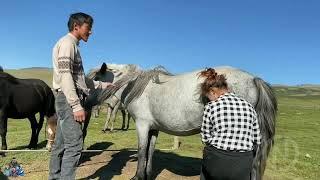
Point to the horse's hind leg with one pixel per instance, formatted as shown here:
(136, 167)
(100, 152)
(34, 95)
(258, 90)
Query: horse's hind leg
(96, 111)
(51, 131)
(3, 129)
(40, 124)
(34, 126)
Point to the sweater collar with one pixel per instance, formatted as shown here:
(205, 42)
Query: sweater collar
(74, 38)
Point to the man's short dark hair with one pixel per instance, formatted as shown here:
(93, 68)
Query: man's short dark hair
(79, 18)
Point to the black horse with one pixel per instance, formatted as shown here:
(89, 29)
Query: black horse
(23, 98)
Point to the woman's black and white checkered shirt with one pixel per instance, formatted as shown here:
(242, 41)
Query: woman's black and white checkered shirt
(230, 123)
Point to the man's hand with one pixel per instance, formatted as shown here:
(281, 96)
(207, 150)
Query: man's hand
(79, 116)
(105, 85)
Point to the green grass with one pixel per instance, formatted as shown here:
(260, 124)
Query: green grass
(297, 135)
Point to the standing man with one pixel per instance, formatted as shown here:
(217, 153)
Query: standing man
(69, 83)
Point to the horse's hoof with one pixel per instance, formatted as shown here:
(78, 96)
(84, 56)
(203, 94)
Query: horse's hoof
(49, 148)
(104, 130)
(32, 147)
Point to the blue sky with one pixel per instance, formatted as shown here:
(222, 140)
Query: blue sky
(278, 40)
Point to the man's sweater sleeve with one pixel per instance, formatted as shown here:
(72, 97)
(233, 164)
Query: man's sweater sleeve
(66, 55)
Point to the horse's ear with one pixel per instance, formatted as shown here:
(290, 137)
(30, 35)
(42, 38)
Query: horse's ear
(103, 68)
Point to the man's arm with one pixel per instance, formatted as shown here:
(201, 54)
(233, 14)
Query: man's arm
(65, 67)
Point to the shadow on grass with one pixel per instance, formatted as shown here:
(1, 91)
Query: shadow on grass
(180, 165)
(116, 130)
(2, 176)
(97, 146)
(40, 145)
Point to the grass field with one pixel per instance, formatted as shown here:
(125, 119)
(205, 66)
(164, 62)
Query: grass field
(295, 155)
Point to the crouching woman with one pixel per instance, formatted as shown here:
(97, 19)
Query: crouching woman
(230, 131)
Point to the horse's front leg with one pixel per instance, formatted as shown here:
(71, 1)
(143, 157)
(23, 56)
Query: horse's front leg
(143, 132)
(153, 134)
(128, 120)
(86, 124)
(123, 112)
(113, 115)
(109, 111)
(34, 127)
(3, 129)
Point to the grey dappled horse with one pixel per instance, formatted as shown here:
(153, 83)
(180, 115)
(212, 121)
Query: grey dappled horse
(113, 103)
(101, 74)
(159, 101)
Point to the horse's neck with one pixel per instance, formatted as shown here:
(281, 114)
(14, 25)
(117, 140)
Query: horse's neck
(89, 83)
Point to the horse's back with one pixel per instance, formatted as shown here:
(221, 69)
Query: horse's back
(174, 105)
(28, 97)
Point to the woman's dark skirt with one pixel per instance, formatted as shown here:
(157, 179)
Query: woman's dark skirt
(225, 165)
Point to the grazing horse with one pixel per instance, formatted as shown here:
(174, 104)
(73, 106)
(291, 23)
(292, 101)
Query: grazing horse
(23, 98)
(97, 74)
(113, 105)
(159, 101)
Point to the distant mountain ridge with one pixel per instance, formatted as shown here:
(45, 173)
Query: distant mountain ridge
(36, 68)
(33, 72)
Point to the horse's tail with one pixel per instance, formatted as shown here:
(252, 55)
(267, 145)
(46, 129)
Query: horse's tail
(266, 108)
(50, 113)
(50, 109)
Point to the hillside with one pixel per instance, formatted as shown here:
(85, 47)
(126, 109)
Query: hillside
(44, 74)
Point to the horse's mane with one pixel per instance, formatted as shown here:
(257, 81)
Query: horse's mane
(141, 82)
(92, 73)
(1, 69)
(137, 81)
(8, 77)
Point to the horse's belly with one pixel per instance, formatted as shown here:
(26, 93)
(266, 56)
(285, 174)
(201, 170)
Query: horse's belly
(180, 122)
(19, 114)
(181, 131)
(20, 110)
